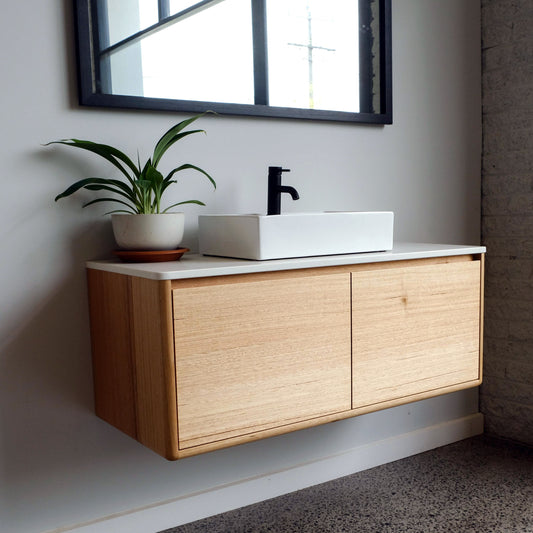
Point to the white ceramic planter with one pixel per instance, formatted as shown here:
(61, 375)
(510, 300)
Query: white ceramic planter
(148, 232)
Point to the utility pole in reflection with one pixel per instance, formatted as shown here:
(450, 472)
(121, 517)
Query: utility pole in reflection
(310, 49)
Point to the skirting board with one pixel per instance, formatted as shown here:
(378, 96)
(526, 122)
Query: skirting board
(172, 513)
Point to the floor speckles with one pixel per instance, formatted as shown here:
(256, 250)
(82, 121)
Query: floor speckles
(474, 486)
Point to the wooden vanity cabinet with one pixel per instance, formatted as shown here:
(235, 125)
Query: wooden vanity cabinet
(186, 366)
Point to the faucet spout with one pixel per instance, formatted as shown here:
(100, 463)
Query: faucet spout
(275, 189)
(290, 190)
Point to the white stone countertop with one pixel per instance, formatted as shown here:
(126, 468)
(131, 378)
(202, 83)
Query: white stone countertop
(199, 266)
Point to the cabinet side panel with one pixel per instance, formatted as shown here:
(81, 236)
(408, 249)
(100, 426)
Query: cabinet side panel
(481, 313)
(257, 355)
(415, 329)
(111, 349)
(153, 349)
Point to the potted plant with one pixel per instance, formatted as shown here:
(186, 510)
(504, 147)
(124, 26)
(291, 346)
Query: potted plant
(141, 223)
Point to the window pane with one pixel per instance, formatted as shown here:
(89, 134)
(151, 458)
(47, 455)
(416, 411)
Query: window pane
(221, 67)
(179, 5)
(127, 17)
(313, 54)
(125, 72)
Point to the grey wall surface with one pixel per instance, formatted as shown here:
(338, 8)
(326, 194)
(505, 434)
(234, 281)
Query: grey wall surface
(507, 227)
(59, 464)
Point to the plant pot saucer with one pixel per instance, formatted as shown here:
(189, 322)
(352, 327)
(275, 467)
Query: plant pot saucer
(150, 256)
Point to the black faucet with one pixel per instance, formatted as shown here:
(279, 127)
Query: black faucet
(275, 188)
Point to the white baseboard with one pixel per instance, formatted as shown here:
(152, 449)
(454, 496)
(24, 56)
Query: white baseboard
(224, 498)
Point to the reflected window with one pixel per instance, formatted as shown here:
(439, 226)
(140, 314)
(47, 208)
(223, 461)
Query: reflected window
(158, 62)
(310, 43)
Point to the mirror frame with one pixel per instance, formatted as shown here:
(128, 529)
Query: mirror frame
(89, 95)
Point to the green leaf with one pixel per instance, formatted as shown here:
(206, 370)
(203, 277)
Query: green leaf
(153, 175)
(125, 190)
(171, 136)
(171, 141)
(144, 169)
(116, 200)
(156, 180)
(132, 199)
(165, 185)
(189, 166)
(109, 153)
(83, 184)
(197, 202)
(143, 184)
(120, 211)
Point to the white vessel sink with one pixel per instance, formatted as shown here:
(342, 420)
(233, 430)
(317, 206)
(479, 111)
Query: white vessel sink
(264, 237)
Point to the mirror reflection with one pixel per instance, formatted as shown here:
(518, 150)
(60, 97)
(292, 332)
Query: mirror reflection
(293, 58)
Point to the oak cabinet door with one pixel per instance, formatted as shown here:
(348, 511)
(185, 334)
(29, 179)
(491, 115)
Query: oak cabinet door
(255, 355)
(415, 329)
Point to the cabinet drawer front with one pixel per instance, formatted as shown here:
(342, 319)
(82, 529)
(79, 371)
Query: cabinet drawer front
(415, 329)
(256, 355)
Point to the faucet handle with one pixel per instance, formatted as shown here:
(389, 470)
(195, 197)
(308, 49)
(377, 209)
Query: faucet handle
(277, 170)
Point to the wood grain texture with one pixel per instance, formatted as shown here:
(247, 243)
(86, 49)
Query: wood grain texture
(415, 329)
(114, 395)
(153, 355)
(255, 355)
(312, 422)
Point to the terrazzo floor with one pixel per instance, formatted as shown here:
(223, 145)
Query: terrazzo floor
(478, 485)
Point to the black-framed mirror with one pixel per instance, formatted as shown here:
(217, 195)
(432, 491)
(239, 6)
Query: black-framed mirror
(308, 59)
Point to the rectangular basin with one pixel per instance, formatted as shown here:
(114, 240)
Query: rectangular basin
(263, 237)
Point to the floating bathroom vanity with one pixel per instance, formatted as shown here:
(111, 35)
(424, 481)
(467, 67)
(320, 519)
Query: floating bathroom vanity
(205, 353)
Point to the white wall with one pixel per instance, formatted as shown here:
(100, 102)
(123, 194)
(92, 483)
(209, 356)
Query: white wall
(59, 464)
